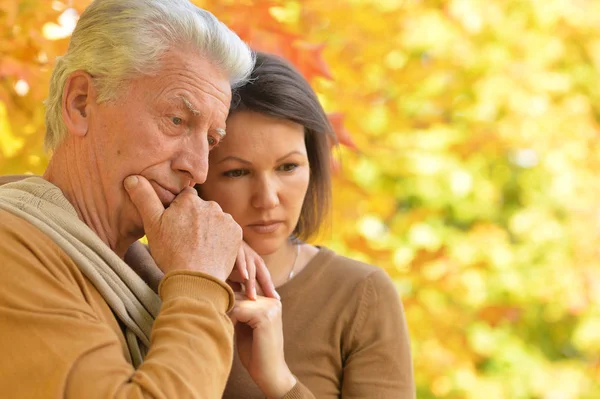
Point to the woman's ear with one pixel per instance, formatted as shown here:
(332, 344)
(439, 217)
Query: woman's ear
(78, 95)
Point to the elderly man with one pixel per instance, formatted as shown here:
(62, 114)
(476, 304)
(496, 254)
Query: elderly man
(135, 105)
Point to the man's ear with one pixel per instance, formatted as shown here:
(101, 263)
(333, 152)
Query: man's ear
(78, 96)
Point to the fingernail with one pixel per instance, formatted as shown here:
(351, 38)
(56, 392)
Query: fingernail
(277, 295)
(130, 182)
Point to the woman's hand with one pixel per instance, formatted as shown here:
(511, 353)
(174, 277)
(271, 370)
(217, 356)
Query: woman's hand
(250, 268)
(259, 340)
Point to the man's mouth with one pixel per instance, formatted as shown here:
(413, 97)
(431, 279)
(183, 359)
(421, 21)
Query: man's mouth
(165, 195)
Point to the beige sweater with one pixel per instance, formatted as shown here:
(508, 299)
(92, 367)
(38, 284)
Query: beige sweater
(59, 338)
(345, 335)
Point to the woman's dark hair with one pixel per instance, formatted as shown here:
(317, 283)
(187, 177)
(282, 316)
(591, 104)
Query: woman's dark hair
(277, 89)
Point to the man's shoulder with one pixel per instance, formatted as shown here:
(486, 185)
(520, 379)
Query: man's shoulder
(4, 179)
(26, 250)
(15, 230)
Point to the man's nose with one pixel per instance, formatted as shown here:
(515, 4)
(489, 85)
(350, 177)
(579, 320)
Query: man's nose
(192, 160)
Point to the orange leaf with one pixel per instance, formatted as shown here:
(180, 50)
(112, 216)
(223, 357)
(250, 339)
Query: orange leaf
(11, 10)
(343, 136)
(10, 66)
(495, 314)
(264, 33)
(309, 60)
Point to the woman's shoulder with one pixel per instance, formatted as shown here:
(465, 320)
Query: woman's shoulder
(346, 269)
(337, 275)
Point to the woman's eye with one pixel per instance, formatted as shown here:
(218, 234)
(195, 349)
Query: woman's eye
(236, 173)
(176, 120)
(287, 167)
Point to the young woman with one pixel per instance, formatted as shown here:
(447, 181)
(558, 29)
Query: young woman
(339, 330)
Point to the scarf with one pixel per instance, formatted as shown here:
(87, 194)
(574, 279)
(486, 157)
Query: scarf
(133, 302)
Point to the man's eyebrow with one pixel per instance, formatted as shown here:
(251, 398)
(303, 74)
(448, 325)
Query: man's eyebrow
(221, 132)
(189, 105)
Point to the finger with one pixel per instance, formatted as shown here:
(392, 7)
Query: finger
(187, 191)
(239, 299)
(144, 198)
(240, 263)
(186, 196)
(235, 313)
(263, 277)
(256, 313)
(242, 322)
(246, 315)
(250, 283)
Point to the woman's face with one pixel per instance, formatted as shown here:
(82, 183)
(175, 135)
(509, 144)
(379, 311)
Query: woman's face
(259, 174)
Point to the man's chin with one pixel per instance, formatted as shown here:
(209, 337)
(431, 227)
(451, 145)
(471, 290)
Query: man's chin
(135, 230)
(137, 234)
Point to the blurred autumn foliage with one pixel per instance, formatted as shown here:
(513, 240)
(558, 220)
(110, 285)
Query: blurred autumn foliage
(469, 173)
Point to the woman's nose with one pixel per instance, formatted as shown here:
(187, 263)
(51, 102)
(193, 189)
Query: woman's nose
(266, 195)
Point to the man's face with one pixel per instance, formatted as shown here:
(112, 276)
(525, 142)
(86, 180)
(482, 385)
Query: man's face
(160, 127)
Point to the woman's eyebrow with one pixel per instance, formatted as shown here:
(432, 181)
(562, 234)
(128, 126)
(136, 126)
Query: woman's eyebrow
(288, 154)
(234, 158)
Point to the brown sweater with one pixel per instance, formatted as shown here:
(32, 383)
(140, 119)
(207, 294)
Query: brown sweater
(345, 335)
(59, 338)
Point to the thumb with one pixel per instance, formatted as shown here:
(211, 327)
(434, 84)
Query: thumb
(144, 199)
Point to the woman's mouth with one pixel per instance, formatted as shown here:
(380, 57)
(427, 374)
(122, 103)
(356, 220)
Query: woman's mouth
(266, 227)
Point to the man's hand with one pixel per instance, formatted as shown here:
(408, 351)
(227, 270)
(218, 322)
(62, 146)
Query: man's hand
(191, 234)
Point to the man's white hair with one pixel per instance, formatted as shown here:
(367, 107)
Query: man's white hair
(116, 40)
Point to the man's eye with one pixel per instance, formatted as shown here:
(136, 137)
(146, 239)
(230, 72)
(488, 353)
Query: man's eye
(235, 173)
(211, 141)
(176, 120)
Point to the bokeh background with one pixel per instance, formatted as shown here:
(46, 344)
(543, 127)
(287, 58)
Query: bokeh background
(467, 170)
